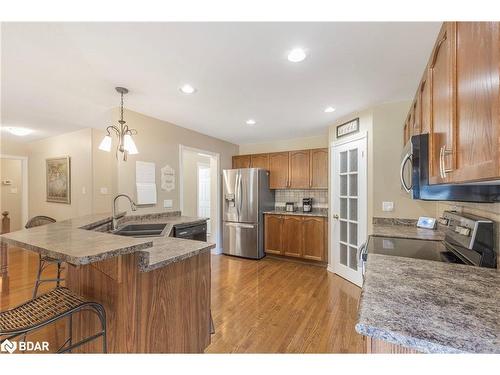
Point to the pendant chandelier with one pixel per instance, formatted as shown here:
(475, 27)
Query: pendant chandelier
(126, 144)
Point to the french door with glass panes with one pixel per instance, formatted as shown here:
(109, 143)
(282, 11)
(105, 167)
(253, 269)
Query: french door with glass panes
(349, 207)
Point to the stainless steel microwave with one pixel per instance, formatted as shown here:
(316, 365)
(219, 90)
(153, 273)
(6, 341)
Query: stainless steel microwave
(414, 178)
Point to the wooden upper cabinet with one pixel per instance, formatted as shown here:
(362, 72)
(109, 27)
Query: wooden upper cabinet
(293, 236)
(425, 105)
(477, 101)
(299, 169)
(417, 124)
(314, 236)
(273, 242)
(319, 168)
(441, 75)
(278, 170)
(241, 161)
(259, 161)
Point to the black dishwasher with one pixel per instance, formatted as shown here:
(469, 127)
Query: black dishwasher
(191, 231)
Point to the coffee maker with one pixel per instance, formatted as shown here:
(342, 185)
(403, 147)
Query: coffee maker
(307, 204)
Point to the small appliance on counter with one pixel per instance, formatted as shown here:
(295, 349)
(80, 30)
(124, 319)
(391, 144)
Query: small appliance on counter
(426, 222)
(307, 204)
(290, 206)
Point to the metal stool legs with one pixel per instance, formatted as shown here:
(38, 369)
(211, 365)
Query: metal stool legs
(101, 314)
(43, 263)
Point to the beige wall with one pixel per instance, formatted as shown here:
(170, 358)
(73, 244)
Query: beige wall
(78, 146)
(11, 195)
(285, 145)
(158, 141)
(388, 120)
(104, 174)
(11, 147)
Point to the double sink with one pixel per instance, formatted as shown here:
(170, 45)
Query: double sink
(142, 230)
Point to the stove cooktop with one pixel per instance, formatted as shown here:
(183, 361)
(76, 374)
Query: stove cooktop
(411, 248)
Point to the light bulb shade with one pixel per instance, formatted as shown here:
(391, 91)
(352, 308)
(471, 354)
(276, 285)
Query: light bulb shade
(105, 144)
(129, 145)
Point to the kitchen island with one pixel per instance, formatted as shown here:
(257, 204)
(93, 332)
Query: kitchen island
(156, 290)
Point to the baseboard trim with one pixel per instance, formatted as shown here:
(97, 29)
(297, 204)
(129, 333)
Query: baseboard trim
(329, 268)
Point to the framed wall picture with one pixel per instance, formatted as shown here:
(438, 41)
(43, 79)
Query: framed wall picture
(58, 174)
(348, 128)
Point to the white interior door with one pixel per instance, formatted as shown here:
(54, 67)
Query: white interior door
(204, 192)
(349, 203)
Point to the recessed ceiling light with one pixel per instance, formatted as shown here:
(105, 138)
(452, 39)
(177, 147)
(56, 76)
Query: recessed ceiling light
(297, 55)
(251, 122)
(187, 89)
(329, 109)
(19, 131)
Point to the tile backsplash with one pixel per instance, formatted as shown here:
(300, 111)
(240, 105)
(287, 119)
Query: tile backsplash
(320, 197)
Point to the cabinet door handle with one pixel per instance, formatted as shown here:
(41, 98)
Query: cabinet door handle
(442, 165)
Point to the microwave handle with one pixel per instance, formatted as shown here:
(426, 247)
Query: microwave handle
(401, 172)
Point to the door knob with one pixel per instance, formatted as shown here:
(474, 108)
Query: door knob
(335, 216)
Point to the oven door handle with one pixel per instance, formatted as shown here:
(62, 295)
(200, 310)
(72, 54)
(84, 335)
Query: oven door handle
(361, 251)
(361, 261)
(401, 172)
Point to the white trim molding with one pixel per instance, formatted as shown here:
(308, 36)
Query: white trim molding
(349, 139)
(24, 198)
(216, 155)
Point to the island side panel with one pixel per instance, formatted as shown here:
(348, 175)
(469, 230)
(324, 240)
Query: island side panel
(174, 303)
(113, 283)
(162, 311)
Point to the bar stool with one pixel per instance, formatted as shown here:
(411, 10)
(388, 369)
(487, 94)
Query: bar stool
(48, 308)
(44, 261)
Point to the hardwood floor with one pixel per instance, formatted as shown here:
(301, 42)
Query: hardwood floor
(265, 306)
(277, 306)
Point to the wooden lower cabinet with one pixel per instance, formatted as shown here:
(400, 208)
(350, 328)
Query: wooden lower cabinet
(293, 236)
(296, 236)
(374, 346)
(314, 232)
(273, 238)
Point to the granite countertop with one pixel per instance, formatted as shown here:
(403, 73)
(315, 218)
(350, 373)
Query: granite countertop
(85, 240)
(407, 231)
(429, 306)
(314, 212)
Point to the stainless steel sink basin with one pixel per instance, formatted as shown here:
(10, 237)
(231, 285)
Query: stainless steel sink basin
(142, 230)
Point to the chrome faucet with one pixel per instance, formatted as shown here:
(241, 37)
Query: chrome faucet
(132, 205)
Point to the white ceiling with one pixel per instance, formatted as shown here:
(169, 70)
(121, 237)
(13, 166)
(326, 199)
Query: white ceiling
(59, 77)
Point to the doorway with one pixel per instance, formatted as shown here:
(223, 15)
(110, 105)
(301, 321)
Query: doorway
(348, 195)
(14, 189)
(199, 188)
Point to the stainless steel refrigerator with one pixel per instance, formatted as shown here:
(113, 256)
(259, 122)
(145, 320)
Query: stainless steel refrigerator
(246, 195)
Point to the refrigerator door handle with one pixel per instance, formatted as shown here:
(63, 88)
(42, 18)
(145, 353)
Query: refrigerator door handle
(237, 194)
(240, 195)
(240, 225)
